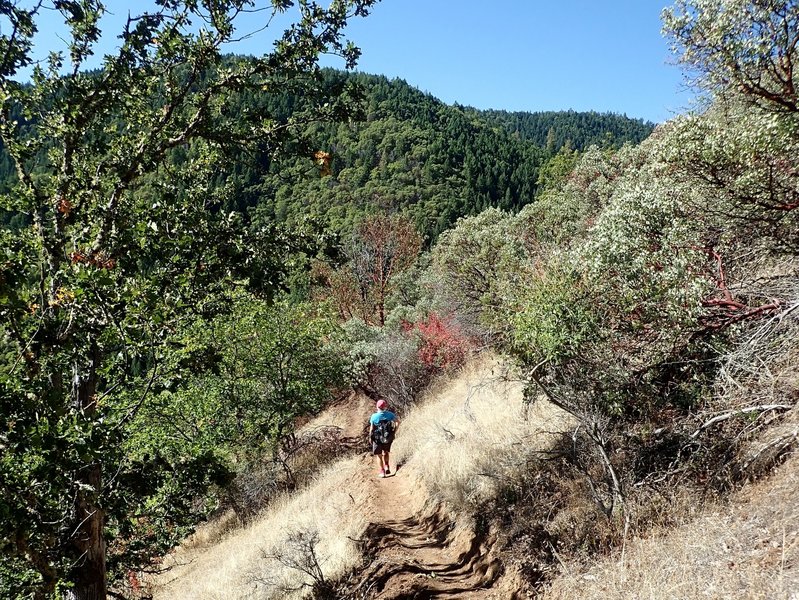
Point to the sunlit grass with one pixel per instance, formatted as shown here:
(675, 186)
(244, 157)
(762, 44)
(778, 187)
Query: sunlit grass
(239, 567)
(468, 434)
(474, 433)
(747, 549)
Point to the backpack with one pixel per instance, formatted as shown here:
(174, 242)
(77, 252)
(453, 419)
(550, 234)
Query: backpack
(383, 432)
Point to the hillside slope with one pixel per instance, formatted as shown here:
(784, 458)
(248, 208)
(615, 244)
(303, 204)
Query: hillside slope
(414, 154)
(408, 152)
(747, 548)
(413, 535)
(389, 538)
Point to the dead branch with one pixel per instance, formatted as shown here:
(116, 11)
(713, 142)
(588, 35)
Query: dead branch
(728, 310)
(773, 448)
(739, 411)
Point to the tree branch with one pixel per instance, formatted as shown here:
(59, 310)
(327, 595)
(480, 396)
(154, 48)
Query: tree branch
(740, 411)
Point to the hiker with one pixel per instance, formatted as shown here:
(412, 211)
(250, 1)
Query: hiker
(382, 427)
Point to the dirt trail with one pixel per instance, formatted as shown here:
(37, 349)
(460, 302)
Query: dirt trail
(414, 550)
(388, 534)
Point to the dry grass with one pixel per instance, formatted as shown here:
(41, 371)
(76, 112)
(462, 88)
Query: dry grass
(474, 433)
(345, 415)
(237, 566)
(747, 548)
(469, 434)
(213, 532)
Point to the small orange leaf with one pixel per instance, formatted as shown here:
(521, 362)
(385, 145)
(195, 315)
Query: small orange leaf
(64, 206)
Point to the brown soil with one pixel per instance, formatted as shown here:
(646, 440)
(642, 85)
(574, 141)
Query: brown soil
(413, 549)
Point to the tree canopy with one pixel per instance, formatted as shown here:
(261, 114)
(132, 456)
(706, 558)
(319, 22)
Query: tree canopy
(123, 243)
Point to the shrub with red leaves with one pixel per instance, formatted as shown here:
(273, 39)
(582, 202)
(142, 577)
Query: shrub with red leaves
(444, 346)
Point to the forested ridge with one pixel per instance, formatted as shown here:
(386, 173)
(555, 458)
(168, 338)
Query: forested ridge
(405, 151)
(408, 152)
(553, 130)
(200, 252)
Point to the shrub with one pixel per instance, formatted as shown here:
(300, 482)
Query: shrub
(473, 266)
(556, 319)
(387, 362)
(443, 346)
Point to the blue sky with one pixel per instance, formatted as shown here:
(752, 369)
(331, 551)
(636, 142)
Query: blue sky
(528, 54)
(533, 55)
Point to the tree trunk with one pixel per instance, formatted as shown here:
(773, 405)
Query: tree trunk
(88, 574)
(88, 543)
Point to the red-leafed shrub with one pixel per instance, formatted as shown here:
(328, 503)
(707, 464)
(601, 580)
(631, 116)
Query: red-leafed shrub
(443, 345)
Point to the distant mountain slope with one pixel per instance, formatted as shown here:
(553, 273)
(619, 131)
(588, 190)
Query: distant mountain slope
(554, 129)
(432, 161)
(410, 153)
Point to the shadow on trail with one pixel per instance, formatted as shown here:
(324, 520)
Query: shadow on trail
(424, 558)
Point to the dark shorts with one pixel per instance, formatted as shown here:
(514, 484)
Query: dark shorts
(380, 448)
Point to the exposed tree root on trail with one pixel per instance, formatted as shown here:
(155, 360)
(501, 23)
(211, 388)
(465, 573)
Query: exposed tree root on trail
(422, 569)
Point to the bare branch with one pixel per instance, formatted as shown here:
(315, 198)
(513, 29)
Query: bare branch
(737, 412)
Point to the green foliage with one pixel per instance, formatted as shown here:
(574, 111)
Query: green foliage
(570, 130)
(410, 154)
(744, 158)
(579, 189)
(474, 268)
(644, 250)
(19, 581)
(739, 46)
(266, 366)
(122, 174)
(164, 495)
(263, 366)
(557, 168)
(620, 286)
(280, 362)
(558, 320)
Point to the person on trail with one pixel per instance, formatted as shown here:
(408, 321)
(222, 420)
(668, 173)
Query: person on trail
(382, 427)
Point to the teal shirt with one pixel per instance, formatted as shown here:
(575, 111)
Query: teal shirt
(385, 415)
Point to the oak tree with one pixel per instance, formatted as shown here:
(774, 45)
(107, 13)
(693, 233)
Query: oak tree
(123, 241)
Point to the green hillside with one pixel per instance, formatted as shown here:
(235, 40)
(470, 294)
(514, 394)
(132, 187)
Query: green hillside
(408, 152)
(414, 154)
(554, 129)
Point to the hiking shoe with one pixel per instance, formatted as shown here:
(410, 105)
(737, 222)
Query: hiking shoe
(382, 473)
(388, 471)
